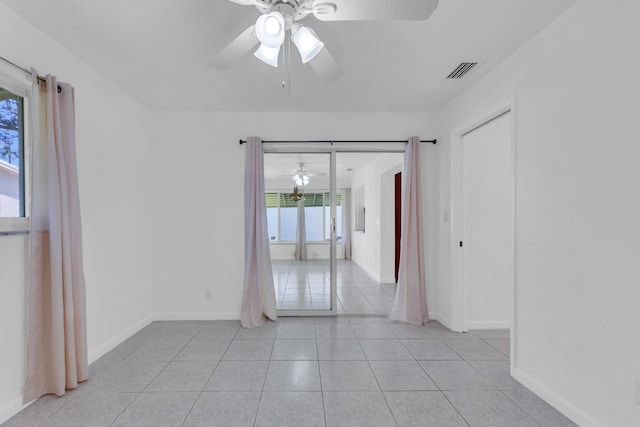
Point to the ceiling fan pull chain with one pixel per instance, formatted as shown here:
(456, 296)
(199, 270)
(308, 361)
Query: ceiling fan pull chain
(284, 66)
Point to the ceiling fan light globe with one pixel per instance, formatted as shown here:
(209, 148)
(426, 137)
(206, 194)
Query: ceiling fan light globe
(268, 55)
(307, 42)
(270, 29)
(272, 25)
(300, 179)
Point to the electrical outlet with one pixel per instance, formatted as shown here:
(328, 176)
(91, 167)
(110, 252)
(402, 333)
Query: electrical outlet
(207, 294)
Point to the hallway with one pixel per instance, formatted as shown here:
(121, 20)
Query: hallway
(305, 285)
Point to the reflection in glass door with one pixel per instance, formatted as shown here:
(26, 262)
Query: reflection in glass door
(300, 220)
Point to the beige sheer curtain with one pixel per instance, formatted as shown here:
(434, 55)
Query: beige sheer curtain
(258, 299)
(410, 303)
(301, 232)
(57, 331)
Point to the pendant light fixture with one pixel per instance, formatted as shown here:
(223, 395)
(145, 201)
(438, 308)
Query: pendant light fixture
(270, 30)
(300, 179)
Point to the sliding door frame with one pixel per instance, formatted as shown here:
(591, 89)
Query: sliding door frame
(331, 148)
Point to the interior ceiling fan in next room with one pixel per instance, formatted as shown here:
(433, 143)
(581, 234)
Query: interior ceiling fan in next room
(281, 16)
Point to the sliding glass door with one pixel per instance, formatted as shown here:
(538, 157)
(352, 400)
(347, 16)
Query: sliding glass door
(320, 198)
(300, 198)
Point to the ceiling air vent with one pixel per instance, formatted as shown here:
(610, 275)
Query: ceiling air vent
(462, 70)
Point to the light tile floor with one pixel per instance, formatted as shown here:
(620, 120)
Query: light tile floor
(305, 285)
(349, 371)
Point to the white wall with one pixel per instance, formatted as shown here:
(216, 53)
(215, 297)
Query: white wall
(577, 207)
(366, 247)
(114, 167)
(198, 218)
(9, 189)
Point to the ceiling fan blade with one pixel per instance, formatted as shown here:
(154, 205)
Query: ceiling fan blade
(325, 66)
(235, 50)
(379, 10)
(243, 2)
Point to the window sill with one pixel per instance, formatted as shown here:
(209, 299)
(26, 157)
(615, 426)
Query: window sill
(14, 225)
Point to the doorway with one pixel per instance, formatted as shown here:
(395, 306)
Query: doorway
(488, 224)
(301, 203)
(319, 280)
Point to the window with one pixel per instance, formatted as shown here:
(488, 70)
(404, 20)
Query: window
(282, 216)
(12, 159)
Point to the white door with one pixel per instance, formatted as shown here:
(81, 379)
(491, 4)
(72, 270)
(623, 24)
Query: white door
(488, 225)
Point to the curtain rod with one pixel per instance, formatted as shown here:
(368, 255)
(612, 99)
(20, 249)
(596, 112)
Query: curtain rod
(24, 70)
(431, 141)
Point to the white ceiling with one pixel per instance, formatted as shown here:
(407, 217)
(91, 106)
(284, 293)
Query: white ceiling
(158, 50)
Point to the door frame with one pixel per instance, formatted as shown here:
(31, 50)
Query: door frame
(333, 310)
(459, 321)
(332, 148)
(397, 181)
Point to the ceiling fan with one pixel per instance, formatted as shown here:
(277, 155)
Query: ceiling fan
(301, 176)
(280, 16)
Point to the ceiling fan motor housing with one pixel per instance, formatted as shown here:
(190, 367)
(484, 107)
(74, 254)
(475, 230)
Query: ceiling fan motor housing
(292, 10)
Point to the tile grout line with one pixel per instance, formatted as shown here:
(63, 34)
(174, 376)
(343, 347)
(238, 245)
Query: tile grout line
(184, 420)
(436, 384)
(485, 377)
(496, 348)
(51, 414)
(324, 408)
(454, 407)
(376, 378)
(255, 419)
(520, 407)
(125, 408)
(167, 364)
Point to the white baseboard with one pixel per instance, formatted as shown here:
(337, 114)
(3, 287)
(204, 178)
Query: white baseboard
(489, 324)
(197, 316)
(10, 409)
(373, 274)
(561, 404)
(118, 339)
(444, 320)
